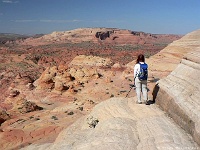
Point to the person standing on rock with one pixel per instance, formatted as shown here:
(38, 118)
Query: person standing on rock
(140, 79)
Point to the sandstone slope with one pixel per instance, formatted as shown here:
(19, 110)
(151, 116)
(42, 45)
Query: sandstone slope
(178, 94)
(119, 123)
(167, 59)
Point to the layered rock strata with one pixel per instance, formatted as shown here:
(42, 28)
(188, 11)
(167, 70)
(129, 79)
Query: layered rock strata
(178, 93)
(164, 62)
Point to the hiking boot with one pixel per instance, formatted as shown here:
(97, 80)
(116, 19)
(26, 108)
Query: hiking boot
(146, 103)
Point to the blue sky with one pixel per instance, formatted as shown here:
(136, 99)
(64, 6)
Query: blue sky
(152, 16)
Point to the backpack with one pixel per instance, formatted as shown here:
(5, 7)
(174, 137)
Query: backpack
(143, 74)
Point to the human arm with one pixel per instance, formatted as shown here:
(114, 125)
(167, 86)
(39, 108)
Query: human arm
(136, 70)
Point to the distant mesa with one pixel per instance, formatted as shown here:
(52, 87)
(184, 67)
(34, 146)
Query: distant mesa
(99, 35)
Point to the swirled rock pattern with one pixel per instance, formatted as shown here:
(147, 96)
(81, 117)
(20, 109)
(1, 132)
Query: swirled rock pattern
(164, 62)
(122, 124)
(179, 94)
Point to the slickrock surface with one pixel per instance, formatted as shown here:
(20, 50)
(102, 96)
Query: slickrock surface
(120, 123)
(167, 59)
(178, 94)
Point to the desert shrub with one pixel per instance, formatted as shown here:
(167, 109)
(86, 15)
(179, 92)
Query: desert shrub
(92, 122)
(37, 118)
(111, 95)
(80, 108)
(70, 113)
(54, 118)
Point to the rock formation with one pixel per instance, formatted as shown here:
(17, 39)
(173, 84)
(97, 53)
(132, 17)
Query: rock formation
(120, 123)
(167, 60)
(178, 94)
(62, 94)
(106, 35)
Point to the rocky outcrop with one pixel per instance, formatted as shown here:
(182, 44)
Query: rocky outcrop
(178, 93)
(81, 70)
(103, 35)
(39, 110)
(83, 60)
(3, 116)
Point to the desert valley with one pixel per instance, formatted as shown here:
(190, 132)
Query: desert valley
(67, 90)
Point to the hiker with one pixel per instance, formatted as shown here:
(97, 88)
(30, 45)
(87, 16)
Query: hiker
(140, 79)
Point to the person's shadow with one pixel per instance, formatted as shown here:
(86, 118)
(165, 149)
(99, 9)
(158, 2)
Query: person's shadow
(154, 94)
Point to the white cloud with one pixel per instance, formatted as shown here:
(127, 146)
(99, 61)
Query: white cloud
(10, 1)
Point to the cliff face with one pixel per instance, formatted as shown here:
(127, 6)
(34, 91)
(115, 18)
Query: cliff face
(178, 93)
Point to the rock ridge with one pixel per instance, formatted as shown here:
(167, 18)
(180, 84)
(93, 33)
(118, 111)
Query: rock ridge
(178, 93)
